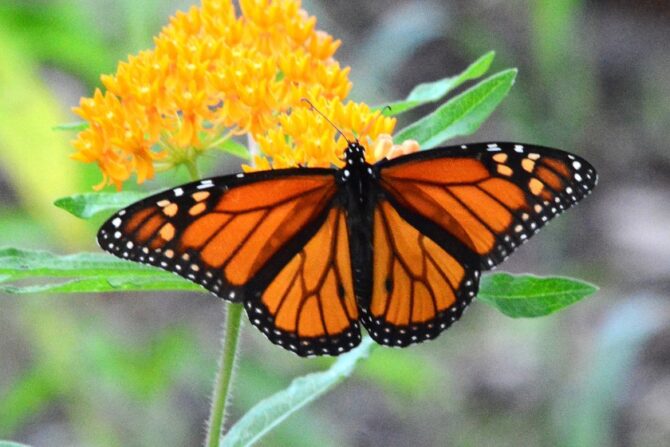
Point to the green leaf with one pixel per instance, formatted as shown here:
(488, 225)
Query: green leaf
(461, 115)
(527, 296)
(98, 285)
(272, 411)
(88, 272)
(75, 127)
(434, 91)
(19, 264)
(88, 204)
(11, 444)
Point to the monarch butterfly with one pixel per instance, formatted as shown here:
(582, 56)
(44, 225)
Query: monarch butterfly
(313, 253)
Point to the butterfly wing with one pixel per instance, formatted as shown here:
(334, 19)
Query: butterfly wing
(419, 286)
(443, 215)
(250, 238)
(305, 302)
(490, 197)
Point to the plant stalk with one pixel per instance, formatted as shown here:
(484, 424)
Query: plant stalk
(217, 416)
(192, 168)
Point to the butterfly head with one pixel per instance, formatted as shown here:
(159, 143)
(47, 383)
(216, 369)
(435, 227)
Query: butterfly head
(354, 153)
(356, 170)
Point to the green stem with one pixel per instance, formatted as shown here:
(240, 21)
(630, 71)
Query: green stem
(217, 415)
(192, 169)
(224, 376)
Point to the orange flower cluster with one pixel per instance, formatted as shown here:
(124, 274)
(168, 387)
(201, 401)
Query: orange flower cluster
(303, 137)
(212, 74)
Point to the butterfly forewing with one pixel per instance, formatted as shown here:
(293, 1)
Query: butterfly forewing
(490, 197)
(221, 232)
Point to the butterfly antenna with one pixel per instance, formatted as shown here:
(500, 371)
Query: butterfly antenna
(326, 118)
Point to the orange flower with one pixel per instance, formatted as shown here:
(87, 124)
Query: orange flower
(211, 75)
(303, 137)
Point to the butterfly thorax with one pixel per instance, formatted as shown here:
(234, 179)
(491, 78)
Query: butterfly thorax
(356, 174)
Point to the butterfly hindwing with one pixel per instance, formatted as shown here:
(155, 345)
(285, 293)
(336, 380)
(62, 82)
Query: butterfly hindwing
(419, 287)
(221, 232)
(307, 303)
(490, 197)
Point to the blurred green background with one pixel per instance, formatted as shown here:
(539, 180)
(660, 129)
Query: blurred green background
(136, 369)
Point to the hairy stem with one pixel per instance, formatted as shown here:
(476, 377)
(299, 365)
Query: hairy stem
(217, 415)
(224, 376)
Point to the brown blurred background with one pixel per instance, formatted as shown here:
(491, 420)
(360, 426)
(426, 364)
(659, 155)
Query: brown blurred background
(136, 369)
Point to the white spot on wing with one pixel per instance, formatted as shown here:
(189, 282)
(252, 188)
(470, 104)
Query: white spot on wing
(205, 184)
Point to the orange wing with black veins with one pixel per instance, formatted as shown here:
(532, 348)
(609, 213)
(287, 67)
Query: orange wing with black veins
(491, 197)
(443, 215)
(418, 288)
(275, 240)
(221, 232)
(310, 306)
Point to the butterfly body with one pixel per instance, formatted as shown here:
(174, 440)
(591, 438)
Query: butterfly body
(359, 193)
(396, 246)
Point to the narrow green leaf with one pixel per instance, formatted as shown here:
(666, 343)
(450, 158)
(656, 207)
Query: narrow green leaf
(88, 204)
(88, 272)
(19, 264)
(74, 127)
(127, 283)
(527, 296)
(272, 411)
(11, 444)
(434, 91)
(234, 148)
(461, 115)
